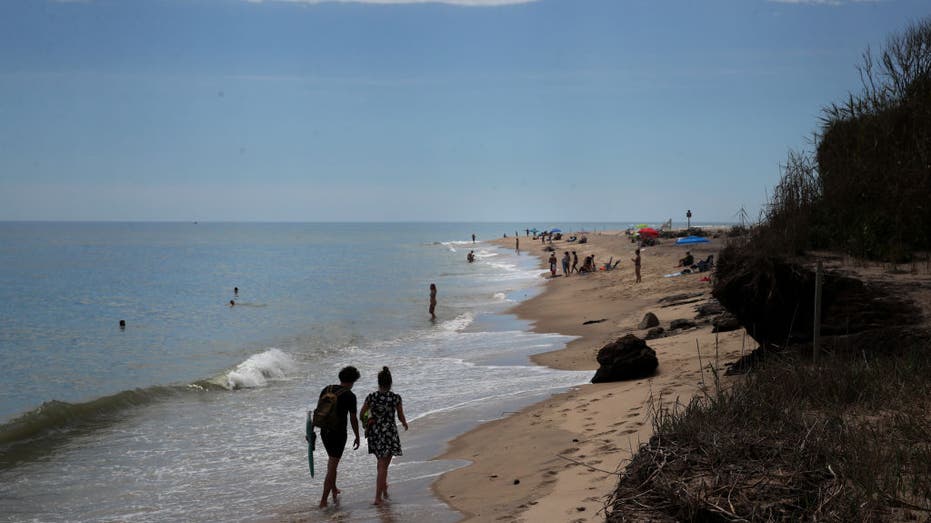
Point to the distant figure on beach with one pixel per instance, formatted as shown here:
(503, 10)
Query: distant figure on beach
(553, 264)
(527, 231)
(381, 430)
(232, 303)
(636, 261)
(470, 257)
(517, 244)
(432, 300)
(122, 324)
(687, 261)
(473, 237)
(565, 263)
(235, 291)
(334, 438)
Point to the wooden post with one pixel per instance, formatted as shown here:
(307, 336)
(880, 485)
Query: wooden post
(819, 275)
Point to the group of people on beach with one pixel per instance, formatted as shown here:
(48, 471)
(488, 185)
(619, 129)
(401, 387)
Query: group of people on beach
(378, 414)
(588, 265)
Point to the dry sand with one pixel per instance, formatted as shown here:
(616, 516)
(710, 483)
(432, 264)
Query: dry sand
(557, 460)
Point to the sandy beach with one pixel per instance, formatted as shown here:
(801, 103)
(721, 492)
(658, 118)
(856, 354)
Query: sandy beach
(557, 460)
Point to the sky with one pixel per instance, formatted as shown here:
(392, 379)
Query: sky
(410, 110)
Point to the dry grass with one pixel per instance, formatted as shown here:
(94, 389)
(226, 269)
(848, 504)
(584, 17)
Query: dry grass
(847, 440)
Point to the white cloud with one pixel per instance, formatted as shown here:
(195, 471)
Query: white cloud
(469, 3)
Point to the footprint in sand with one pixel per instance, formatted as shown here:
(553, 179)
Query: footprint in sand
(628, 431)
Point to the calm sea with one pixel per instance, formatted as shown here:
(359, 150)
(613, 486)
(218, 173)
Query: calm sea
(195, 411)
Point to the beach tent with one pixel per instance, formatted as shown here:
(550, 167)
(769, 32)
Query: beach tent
(648, 231)
(688, 240)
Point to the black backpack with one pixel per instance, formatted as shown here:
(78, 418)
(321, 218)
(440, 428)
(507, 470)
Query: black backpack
(326, 415)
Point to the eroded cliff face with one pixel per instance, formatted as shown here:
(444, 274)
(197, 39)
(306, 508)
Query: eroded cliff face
(773, 298)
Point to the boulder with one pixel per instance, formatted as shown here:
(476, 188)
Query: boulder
(709, 308)
(649, 320)
(625, 359)
(725, 323)
(681, 324)
(655, 332)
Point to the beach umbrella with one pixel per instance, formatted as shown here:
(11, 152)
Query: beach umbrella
(555, 230)
(648, 231)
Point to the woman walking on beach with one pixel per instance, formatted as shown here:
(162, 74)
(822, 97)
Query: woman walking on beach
(636, 261)
(381, 430)
(432, 300)
(553, 264)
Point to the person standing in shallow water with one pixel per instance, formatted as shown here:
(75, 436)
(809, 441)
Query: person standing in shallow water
(552, 264)
(381, 430)
(432, 301)
(335, 440)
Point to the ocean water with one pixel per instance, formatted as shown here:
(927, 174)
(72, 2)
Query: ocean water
(195, 411)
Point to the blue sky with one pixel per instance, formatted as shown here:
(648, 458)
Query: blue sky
(552, 110)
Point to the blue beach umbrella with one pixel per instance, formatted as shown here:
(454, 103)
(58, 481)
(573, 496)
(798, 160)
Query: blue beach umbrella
(689, 240)
(555, 230)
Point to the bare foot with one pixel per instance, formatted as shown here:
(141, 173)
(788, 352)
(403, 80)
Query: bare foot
(377, 502)
(323, 504)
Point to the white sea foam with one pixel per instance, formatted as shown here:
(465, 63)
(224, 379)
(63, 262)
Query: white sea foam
(260, 368)
(458, 323)
(500, 296)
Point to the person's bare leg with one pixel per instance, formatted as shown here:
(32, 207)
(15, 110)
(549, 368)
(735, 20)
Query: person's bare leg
(381, 480)
(329, 483)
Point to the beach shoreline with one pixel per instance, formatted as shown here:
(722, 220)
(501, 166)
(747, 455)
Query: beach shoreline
(558, 459)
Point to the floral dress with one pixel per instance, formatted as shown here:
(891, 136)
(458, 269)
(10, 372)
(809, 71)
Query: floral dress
(382, 432)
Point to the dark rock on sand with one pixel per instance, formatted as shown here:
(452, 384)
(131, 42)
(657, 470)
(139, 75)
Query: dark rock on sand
(709, 308)
(624, 359)
(655, 332)
(681, 324)
(649, 320)
(680, 297)
(725, 323)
